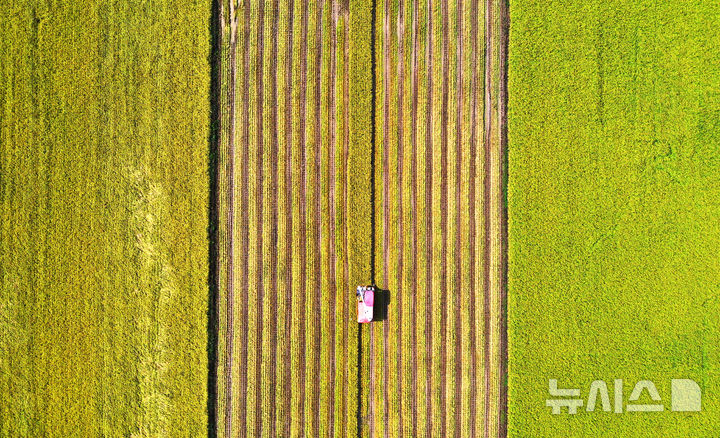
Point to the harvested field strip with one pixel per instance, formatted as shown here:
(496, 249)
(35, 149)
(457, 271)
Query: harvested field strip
(495, 231)
(432, 220)
(422, 161)
(292, 302)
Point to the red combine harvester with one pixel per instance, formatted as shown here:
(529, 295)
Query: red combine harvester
(366, 301)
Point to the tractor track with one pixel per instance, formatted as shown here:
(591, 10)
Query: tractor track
(371, 384)
(288, 387)
(259, 206)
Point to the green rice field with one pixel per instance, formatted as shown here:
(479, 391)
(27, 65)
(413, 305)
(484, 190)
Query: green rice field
(613, 199)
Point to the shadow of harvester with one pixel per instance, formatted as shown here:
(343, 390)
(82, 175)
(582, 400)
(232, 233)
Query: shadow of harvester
(380, 308)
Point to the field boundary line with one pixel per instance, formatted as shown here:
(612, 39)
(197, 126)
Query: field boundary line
(502, 202)
(215, 205)
(215, 146)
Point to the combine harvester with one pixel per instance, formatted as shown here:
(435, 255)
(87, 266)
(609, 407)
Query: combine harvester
(366, 301)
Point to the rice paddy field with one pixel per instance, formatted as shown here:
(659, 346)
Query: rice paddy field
(613, 202)
(103, 207)
(191, 191)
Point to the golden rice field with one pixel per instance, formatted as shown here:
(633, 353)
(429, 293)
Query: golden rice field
(103, 213)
